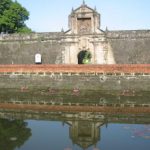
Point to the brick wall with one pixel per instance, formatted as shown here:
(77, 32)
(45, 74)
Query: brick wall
(142, 68)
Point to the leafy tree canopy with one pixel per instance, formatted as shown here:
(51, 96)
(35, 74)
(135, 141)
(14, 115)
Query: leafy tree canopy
(13, 17)
(84, 57)
(4, 5)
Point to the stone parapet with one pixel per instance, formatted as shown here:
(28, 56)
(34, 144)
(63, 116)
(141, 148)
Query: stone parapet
(125, 34)
(30, 36)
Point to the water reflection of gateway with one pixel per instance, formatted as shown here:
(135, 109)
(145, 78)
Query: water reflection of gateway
(85, 132)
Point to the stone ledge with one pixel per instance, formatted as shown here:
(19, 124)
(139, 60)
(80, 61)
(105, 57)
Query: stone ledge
(125, 69)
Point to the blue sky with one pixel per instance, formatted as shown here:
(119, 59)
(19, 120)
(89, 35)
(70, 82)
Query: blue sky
(52, 15)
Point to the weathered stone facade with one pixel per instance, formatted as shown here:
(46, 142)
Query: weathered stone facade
(84, 35)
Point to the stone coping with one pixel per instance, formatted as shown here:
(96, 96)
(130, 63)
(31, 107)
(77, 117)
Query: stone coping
(117, 68)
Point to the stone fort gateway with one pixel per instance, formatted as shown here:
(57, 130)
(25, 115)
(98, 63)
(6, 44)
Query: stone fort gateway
(84, 42)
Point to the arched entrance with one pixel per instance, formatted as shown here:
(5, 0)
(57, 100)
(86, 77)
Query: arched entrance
(84, 57)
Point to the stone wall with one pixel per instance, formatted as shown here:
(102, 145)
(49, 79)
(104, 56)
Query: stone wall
(72, 81)
(105, 77)
(127, 47)
(21, 49)
(130, 47)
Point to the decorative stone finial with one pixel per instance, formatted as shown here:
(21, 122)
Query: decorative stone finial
(95, 8)
(72, 9)
(83, 2)
(106, 29)
(62, 29)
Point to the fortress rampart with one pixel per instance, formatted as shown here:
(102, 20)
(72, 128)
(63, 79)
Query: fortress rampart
(128, 34)
(127, 47)
(30, 36)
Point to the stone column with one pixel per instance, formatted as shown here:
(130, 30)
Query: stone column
(100, 53)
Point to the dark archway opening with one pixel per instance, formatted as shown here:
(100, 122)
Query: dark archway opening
(84, 57)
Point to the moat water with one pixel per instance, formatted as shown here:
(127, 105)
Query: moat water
(73, 131)
(35, 130)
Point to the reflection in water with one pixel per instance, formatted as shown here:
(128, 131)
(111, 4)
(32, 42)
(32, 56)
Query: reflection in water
(13, 133)
(143, 132)
(84, 132)
(80, 131)
(74, 96)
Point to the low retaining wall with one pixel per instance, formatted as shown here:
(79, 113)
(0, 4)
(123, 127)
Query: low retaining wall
(97, 77)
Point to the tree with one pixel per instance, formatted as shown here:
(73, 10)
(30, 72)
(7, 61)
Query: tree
(84, 57)
(4, 5)
(87, 58)
(13, 17)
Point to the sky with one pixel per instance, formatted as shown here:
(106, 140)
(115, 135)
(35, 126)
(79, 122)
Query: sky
(52, 15)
